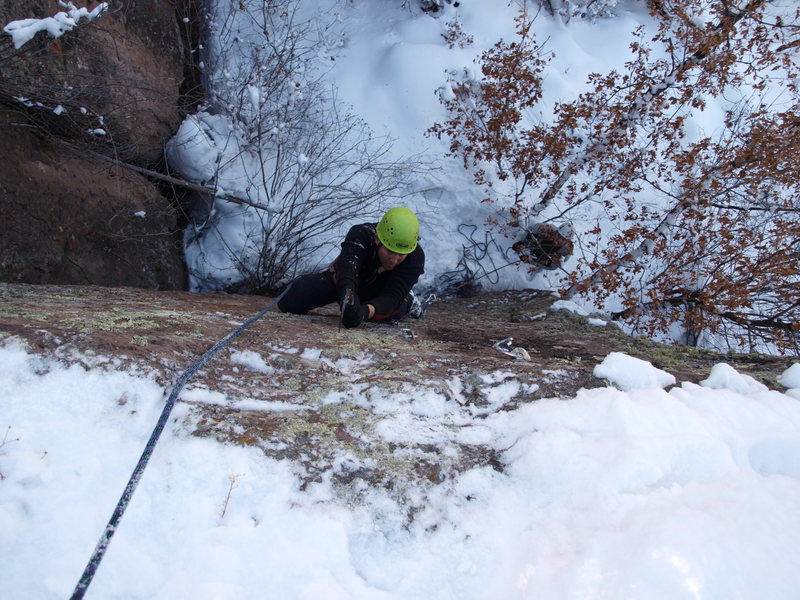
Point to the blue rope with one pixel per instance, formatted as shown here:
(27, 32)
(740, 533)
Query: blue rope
(105, 538)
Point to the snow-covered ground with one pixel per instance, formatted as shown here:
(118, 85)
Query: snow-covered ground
(622, 492)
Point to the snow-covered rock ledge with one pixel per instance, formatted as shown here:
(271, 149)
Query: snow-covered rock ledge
(367, 464)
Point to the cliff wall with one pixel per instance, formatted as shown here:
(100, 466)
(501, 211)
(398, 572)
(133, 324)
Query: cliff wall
(72, 110)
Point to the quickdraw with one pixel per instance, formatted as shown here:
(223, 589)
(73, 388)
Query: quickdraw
(505, 347)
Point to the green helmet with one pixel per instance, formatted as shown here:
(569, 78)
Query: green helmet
(398, 230)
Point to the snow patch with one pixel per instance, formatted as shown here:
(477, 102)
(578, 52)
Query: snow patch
(24, 30)
(790, 378)
(630, 373)
(724, 376)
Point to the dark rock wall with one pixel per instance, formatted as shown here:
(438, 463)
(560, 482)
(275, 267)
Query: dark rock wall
(66, 215)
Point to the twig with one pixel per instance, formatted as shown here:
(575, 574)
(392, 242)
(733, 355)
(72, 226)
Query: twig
(5, 438)
(3, 443)
(233, 484)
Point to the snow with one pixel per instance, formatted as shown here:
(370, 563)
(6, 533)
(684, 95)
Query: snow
(193, 149)
(23, 30)
(724, 376)
(644, 493)
(252, 360)
(386, 62)
(630, 373)
(569, 306)
(791, 377)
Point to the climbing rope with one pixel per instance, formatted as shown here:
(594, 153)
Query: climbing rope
(108, 533)
(476, 263)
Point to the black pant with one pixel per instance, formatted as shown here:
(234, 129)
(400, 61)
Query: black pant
(318, 289)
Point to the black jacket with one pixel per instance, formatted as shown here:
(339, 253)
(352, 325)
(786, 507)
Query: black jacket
(357, 267)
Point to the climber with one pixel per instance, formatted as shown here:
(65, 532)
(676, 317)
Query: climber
(372, 277)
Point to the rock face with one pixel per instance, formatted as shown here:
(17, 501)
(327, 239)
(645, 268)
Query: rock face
(111, 88)
(302, 362)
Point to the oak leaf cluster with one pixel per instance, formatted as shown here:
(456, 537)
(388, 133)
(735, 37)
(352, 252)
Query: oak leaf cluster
(682, 227)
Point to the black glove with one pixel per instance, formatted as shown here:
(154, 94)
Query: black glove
(354, 313)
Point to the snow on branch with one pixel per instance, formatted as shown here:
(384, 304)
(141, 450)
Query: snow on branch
(24, 30)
